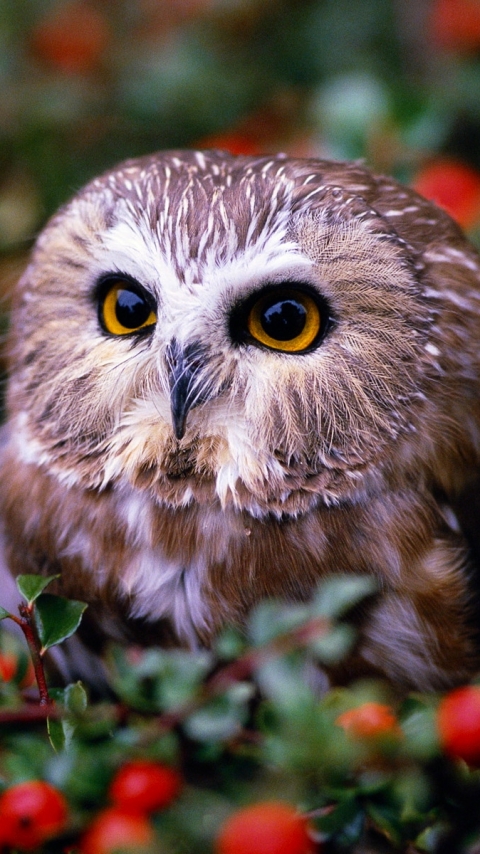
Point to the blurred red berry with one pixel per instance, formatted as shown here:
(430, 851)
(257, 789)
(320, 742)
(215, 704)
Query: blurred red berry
(370, 720)
(458, 724)
(11, 668)
(72, 39)
(271, 827)
(31, 813)
(454, 186)
(145, 786)
(455, 24)
(115, 829)
(234, 142)
(8, 666)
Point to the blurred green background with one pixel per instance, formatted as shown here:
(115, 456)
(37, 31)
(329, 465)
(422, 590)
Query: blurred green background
(85, 83)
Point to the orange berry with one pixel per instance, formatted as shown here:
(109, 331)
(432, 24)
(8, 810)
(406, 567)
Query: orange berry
(370, 720)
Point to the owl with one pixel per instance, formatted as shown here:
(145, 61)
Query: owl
(232, 377)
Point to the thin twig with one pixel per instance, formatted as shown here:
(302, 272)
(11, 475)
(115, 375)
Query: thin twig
(27, 625)
(30, 713)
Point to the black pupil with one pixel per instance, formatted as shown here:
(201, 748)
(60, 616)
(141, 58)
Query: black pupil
(132, 310)
(284, 319)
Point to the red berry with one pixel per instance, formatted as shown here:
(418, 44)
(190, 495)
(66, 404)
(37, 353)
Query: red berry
(455, 24)
(454, 186)
(8, 666)
(271, 827)
(31, 813)
(234, 141)
(12, 665)
(458, 724)
(115, 829)
(144, 786)
(370, 720)
(72, 39)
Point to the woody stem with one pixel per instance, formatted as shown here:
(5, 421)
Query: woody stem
(27, 625)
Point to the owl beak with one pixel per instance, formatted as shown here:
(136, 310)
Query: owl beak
(180, 404)
(185, 390)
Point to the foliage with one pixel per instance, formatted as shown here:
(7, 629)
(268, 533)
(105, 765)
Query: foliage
(248, 723)
(86, 83)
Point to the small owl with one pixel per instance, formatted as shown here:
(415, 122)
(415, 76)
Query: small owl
(231, 377)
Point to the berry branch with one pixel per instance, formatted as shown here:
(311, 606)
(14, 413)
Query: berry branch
(26, 622)
(182, 739)
(45, 621)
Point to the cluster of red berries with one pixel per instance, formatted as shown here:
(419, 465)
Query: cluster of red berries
(138, 789)
(458, 723)
(34, 811)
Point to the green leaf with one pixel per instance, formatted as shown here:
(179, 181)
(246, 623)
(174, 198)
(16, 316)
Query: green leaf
(56, 618)
(282, 680)
(340, 593)
(56, 734)
(272, 618)
(75, 698)
(421, 732)
(31, 586)
(193, 821)
(429, 839)
(335, 645)
(223, 717)
(160, 679)
(4, 614)
(181, 676)
(229, 644)
(348, 811)
(387, 820)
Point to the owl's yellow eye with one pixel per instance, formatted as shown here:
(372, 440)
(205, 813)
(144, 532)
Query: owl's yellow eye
(285, 319)
(125, 309)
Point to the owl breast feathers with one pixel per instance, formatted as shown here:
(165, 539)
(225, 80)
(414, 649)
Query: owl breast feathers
(233, 376)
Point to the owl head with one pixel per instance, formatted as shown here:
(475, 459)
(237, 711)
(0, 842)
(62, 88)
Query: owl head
(256, 332)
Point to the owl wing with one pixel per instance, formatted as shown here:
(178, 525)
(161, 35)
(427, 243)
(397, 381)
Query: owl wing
(73, 659)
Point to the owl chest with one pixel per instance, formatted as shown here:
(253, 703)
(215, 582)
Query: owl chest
(201, 566)
(197, 567)
(147, 569)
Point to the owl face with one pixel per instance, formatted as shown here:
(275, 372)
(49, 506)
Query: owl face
(246, 331)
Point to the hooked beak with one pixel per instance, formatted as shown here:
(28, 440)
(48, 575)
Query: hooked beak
(185, 389)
